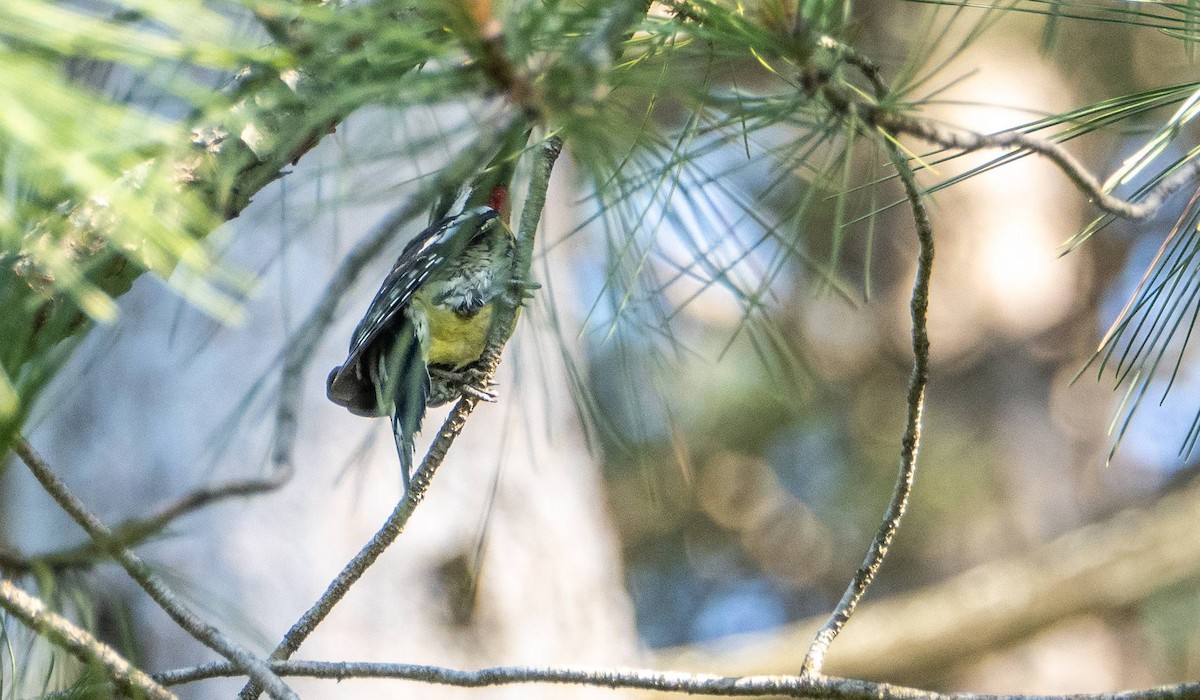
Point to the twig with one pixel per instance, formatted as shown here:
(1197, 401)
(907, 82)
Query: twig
(531, 216)
(890, 123)
(1075, 171)
(815, 658)
(392, 527)
(34, 614)
(134, 531)
(646, 679)
(453, 425)
(140, 572)
(918, 379)
(968, 141)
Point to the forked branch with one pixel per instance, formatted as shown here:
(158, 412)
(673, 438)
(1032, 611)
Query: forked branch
(150, 582)
(890, 124)
(647, 679)
(133, 531)
(80, 643)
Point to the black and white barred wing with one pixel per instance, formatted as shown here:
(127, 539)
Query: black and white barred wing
(386, 332)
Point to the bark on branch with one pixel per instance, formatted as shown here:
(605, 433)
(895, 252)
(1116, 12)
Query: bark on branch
(651, 680)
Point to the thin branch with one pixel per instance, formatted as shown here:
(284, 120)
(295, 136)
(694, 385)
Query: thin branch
(35, 615)
(134, 531)
(140, 572)
(889, 124)
(1076, 172)
(968, 141)
(392, 527)
(531, 216)
(453, 425)
(918, 380)
(646, 679)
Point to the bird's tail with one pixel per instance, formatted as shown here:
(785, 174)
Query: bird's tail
(406, 450)
(408, 387)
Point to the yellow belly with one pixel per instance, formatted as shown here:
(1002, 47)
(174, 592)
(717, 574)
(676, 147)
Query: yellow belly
(456, 340)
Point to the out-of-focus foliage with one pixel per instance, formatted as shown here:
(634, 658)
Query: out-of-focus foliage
(1157, 322)
(747, 426)
(89, 170)
(718, 447)
(69, 147)
(131, 130)
(1155, 326)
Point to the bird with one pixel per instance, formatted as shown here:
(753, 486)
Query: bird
(428, 323)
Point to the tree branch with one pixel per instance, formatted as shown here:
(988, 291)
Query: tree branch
(133, 531)
(889, 124)
(1075, 171)
(34, 614)
(645, 679)
(814, 660)
(387, 534)
(140, 572)
(877, 115)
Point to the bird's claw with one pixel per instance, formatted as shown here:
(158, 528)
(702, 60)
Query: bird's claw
(523, 289)
(476, 392)
(471, 381)
(478, 384)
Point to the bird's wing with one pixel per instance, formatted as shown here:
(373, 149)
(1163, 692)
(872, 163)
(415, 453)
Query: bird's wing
(421, 258)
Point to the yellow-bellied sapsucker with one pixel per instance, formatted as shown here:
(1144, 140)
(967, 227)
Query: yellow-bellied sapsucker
(428, 323)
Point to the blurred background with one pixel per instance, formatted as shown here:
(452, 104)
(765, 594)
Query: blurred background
(699, 425)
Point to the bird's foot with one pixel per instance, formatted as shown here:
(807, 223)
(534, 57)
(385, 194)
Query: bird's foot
(481, 394)
(470, 381)
(522, 290)
(478, 384)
